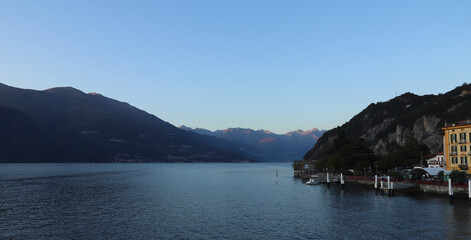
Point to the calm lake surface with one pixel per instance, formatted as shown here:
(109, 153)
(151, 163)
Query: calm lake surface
(209, 201)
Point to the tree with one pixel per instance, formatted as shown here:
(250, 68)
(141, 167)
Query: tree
(458, 176)
(344, 154)
(394, 174)
(298, 165)
(405, 156)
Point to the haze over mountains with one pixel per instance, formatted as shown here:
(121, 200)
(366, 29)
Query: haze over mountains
(67, 125)
(268, 146)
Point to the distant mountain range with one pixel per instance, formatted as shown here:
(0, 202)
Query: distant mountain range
(388, 125)
(67, 125)
(267, 146)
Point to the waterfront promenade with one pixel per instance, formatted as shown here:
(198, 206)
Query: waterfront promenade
(434, 187)
(440, 187)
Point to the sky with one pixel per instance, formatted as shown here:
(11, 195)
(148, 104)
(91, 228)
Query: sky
(273, 65)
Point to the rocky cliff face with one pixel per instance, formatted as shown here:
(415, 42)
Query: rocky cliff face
(425, 129)
(387, 125)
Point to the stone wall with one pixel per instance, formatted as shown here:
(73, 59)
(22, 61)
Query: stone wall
(364, 182)
(442, 189)
(425, 188)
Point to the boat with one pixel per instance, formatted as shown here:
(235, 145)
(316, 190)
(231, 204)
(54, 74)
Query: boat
(313, 181)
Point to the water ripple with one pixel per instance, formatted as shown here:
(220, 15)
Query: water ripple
(209, 201)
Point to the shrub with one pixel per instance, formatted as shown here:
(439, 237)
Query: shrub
(394, 174)
(458, 176)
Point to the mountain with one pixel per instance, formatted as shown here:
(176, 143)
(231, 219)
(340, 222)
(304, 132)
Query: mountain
(67, 125)
(267, 146)
(388, 125)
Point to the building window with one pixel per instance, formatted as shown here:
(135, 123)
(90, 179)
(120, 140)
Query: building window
(454, 160)
(454, 150)
(462, 137)
(464, 160)
(463, 148)
(453, 138)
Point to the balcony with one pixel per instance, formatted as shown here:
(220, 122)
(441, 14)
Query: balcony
(462, 140)
(463, 167)
(453, 153)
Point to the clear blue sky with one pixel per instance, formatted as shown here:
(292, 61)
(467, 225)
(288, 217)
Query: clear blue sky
(276, 65)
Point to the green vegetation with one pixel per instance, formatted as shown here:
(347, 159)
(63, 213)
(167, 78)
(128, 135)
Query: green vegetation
(347, 154)
(458, 176)
(394, 174)
(356, 154)
(298, 165)
(403, 157)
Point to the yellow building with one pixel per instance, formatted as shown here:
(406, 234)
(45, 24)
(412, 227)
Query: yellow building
(457, 146)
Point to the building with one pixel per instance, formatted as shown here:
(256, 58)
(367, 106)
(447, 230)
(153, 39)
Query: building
(438, 161)
(457, 146)
(427, 173)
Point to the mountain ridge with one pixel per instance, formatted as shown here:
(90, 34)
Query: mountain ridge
(67, 125)
(275, 147)
(388, 125)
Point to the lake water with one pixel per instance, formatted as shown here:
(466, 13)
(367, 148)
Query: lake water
(209, 201)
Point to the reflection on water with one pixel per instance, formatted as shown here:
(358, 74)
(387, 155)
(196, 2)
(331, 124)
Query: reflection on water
(149, 201)
(460, 218)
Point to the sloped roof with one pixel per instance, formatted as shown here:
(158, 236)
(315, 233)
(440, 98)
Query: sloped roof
(430, 171)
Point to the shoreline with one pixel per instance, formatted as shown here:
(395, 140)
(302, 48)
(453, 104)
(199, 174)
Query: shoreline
(428, 189)
(434, 189)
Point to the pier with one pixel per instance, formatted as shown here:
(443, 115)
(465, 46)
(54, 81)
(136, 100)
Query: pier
(322, 177)
(390, 186)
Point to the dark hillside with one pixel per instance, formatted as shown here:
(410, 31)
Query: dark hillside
(387, 125)
(67, 125)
